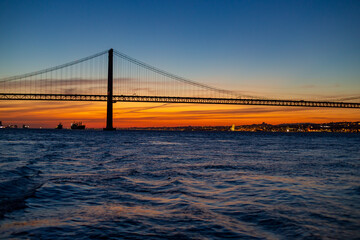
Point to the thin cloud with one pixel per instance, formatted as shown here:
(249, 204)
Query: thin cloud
(40, 106)
(146, 108)
(238, 111)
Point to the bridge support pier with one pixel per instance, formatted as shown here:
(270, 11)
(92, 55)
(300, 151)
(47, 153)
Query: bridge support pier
(109, 114)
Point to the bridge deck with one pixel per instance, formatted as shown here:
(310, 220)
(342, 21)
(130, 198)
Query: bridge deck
(129, 98)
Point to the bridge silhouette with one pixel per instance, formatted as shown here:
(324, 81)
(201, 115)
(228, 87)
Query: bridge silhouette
(115, 77)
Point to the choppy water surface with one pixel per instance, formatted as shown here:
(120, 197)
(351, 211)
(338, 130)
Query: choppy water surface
(63, 184)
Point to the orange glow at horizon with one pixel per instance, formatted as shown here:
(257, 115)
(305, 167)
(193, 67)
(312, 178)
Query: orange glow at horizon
(93, 114)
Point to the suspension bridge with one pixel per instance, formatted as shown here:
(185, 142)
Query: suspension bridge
(115, 77)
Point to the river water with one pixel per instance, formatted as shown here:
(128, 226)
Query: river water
(64, 184)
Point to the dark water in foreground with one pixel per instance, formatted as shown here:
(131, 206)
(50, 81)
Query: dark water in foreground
(62, 184)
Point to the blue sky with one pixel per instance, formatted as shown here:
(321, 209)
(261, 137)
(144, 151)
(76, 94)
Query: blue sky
(309, 48)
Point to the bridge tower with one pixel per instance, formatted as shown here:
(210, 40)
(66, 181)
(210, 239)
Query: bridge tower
(109, 115)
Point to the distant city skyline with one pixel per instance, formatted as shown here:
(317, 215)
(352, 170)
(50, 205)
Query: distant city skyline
(274, 49)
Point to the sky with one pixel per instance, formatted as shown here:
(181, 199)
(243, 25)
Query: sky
(275, 49)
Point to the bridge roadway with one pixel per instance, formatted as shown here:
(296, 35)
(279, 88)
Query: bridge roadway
(134, 98)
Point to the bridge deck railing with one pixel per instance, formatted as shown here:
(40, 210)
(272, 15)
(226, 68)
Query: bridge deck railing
(166, 99)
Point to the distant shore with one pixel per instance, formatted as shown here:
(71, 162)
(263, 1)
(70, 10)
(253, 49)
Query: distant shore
(264, 127)
(346, 127)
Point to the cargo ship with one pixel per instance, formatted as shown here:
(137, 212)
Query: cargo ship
(77, 125)
(60, 126)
